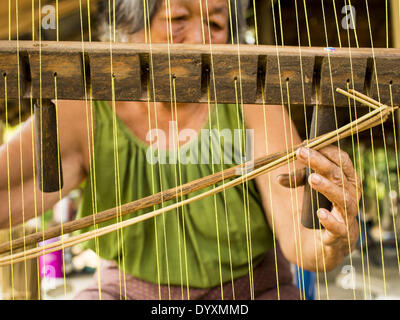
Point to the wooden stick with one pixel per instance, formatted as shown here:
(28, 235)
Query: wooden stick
(363, 96)
(363, 101)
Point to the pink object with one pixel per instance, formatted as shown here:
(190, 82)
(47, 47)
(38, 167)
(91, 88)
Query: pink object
(51, 264)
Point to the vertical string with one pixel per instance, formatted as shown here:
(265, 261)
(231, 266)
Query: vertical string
(115, 143)
(242, 148)
(396, 147)
(220, 151)
(337, 23)
(33, 20)
(270, 197)
(59, 183)
(284, 122)
(58, 159)
(354, 154)
(359, 159)
(387, 23)
(245, 197)
(147, 36)
(355, 159)
(384, 143)
(158, 145)
(89, 21)
(175, 136)
(357, 191)
(398, 176)
(9, 20)
(395, 142)
(336, 124)
(34, 187)
(8, 156)
(9, 186)
(90, 133)
(307, 136)
(255, 22)
(340, 159)
(245, 144)
(317, 199)
(117, 156)
(181, 196)
(41, 128)
(211, 144)
(20, 146)
(179, 168)
(317, 202)
(268, 174)
(33, 159)
(58, 26)
(297, 207)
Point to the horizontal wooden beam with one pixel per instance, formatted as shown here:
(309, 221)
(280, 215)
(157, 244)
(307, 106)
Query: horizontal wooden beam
(231, 73)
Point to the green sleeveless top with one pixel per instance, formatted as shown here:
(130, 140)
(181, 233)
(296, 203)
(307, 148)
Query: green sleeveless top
(189, 245)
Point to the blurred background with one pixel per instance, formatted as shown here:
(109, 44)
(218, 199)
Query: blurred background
(360, 278)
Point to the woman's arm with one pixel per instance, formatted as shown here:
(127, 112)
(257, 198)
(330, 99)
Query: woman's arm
(20, 197)
(310, 249)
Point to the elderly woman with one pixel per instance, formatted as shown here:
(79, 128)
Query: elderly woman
(203, 251)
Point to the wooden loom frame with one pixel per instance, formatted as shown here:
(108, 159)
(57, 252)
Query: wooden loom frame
(91, 70)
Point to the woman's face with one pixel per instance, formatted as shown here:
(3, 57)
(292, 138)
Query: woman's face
(189, 22)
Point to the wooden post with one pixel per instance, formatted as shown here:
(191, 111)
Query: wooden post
(395, 22)
(48, 158)
(323, 121)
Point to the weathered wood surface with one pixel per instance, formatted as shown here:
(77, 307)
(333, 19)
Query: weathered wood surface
(299, 75)
(48, 157)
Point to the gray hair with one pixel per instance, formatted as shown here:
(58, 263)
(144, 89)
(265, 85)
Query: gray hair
(129, 18)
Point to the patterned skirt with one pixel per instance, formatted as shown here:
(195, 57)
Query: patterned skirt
(115, 285)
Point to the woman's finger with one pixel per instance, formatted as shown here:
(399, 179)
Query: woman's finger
(335, 227)
(294, 179)
(322, 165)
(342, 160)
(338, 195)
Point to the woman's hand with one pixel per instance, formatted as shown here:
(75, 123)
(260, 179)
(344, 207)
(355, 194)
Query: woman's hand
(337, 180)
